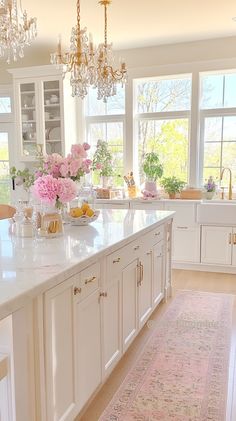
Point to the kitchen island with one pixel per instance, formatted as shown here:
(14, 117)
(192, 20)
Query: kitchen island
(71, 306)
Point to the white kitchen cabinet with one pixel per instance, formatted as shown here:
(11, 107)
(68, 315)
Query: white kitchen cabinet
(234, 247)
(129, 301)
(216, 245)
(88, 364)
(5, 389)
(186, 233)
(145, 287)
(147, 205)
(158, 272)
(59, 352)
(44, 111)
(111, 316)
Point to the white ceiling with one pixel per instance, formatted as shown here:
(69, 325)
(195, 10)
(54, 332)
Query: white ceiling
(136, 23)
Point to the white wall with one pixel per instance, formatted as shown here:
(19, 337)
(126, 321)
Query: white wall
(221, 48)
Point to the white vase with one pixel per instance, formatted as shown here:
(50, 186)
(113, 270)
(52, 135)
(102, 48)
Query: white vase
(209, 195)
(151, 186)
(104, 181)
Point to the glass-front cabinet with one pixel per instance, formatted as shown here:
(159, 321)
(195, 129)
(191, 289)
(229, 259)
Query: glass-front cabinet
(45, 112)
(29, 132)
(52, 117)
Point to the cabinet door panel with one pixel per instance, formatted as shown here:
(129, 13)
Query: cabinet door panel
(111, 325)
(216, 245)
(59, 352)
(158, 273)
(145, 288)
(186, 245)
(87, 347)
(129, 295)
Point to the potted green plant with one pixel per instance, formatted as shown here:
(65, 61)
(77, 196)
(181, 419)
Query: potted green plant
(172, 185)
(153, 170)
(102, 161)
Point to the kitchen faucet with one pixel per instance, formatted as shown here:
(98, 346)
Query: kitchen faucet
(230, 180)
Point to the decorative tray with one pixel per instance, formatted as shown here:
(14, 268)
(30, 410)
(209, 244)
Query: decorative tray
(84, 219)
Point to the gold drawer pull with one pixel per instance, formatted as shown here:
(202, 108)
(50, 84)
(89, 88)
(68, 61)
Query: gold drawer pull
(88, 281)
(77, 290)
(116, 260)
(103, 294)
(136, 247)
(230, 238)
(157, 233)
(234, 239)
(149, 252)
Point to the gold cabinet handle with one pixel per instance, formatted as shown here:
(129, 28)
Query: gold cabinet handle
(88, 281)
(136, 247)
(234, 239)
(149, 252)
(103, 294)
(77, 290)
(157, 233)
(139, 274)
(230, 238)
(116, 260)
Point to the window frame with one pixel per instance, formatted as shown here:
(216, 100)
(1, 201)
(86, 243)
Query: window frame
(206, 113)
(160, 115)
(114, 118)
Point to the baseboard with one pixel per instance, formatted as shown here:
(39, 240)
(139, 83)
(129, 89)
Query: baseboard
(204, 267)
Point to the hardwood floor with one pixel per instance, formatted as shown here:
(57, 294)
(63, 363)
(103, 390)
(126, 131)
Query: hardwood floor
(182, 279)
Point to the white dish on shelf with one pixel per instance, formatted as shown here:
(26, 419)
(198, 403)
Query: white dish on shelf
(84, 220)
(54, 133)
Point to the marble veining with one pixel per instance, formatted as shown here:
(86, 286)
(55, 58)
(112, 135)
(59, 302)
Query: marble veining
(30, 266)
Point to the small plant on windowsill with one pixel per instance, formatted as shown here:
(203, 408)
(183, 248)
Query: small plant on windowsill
(172, 185)
(153, 170)
(210, 188)
(102, 161)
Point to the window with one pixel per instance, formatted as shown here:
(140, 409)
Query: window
(106, 121)
(162, 123)
(4, 169)
(218, 124)
(5, 105)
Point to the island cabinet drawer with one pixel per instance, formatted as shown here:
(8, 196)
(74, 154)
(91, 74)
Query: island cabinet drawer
(118, 260)
(153, 237)
(87, 281)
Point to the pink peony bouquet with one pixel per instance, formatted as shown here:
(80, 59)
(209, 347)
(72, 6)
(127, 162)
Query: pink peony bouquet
(54, 191)
(55, 178)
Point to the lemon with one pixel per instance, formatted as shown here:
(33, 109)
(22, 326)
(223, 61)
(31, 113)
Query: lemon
(85, 207)
(89, 212)
(76, 212)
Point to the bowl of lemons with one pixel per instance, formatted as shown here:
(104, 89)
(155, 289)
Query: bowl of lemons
(83, 215)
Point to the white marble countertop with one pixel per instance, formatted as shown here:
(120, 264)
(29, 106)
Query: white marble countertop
(29, 267)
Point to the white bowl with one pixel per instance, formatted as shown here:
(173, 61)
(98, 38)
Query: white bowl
(84, 220)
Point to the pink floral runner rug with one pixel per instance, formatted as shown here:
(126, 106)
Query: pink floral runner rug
(182, 372)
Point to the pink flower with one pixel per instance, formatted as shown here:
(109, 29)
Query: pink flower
(98, 166)
(67, 190)
(78, 151)
(45, 188)
(74, 167)
(86, 146)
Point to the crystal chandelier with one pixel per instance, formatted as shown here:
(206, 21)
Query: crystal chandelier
(79, 61)
(108, 77)
(16, 30)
